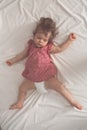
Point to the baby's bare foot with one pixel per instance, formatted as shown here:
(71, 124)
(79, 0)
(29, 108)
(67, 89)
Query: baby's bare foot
(77, 105)
(16, 106)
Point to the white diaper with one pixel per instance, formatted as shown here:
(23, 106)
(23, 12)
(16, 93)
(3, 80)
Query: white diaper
(40, 87)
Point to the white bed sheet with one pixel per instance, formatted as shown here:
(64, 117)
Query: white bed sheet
(43, 109)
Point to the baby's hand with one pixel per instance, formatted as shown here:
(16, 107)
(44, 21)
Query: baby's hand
(9, 62)
(72, 36)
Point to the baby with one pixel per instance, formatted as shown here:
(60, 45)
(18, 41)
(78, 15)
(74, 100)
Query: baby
(39, 65)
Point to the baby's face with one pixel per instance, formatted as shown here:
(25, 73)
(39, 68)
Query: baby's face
(41, 39)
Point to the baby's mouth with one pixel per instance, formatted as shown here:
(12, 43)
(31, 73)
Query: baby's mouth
(38, 45)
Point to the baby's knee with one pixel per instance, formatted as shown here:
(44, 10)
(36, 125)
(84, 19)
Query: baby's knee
(23, 89)
(60, 87)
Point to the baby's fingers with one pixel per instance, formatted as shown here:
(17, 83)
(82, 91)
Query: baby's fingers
(73, 36)
(8, 63)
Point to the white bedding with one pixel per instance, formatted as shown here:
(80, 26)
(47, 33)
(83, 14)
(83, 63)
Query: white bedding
(43, 109)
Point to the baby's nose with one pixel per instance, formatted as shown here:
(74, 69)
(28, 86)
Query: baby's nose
(41, 40)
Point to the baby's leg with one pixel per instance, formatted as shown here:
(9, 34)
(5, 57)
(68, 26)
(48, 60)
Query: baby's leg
(25, 86)
(53, 83)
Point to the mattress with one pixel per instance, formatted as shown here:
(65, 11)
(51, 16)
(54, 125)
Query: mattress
(44, 109)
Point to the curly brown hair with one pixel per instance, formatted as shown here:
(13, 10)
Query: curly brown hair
(46, 25)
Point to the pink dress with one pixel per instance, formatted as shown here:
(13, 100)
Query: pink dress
(39, 66)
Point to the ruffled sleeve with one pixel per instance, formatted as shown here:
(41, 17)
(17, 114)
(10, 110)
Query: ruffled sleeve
(29, 45)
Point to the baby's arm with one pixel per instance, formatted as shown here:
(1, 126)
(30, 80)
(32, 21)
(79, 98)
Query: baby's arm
(18, 57)
(59, 48)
